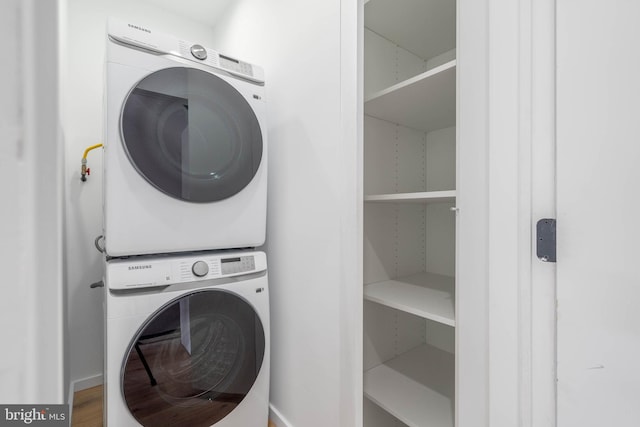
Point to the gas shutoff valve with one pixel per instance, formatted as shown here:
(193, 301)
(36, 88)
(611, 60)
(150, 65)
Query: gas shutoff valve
(84, 170)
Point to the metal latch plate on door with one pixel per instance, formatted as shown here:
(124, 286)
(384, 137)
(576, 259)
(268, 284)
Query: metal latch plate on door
(546, 240)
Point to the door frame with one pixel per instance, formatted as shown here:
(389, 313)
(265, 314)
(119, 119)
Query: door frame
(34, 370)
(506, 181)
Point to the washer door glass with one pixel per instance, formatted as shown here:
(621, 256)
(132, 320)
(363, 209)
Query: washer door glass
(193, 361)
(191, 135)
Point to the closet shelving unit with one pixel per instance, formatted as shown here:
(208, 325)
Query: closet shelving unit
(426, 295)
(404, 103)
(409, 214)
(417, 197)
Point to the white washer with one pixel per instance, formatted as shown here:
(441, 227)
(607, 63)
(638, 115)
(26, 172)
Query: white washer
(185, 145)
(187, 340)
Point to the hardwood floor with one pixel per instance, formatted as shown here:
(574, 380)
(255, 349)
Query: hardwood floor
(87, 408)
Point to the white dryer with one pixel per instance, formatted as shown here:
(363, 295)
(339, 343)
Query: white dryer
(187, 341)
(185, 155)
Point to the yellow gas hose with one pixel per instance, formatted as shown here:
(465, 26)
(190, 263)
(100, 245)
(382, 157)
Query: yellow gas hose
(84, 171)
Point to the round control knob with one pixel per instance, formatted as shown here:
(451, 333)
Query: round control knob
(200, 268)
(199, 52)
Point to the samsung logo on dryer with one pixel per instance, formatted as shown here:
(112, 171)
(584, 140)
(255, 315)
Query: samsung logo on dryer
(136, 27)
(140, 267)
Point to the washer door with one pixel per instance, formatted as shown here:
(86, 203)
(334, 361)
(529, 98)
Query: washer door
(191, 135)
(193, 361)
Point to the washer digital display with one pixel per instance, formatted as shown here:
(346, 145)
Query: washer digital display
(238, 265)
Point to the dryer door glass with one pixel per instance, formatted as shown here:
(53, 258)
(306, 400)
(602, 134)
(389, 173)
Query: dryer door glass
(193, 361)
(191, 134)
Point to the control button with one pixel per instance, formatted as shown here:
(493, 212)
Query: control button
(199, 52)
(200, 268)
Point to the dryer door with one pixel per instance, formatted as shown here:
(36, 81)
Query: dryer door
(191, 135)
(194, 360)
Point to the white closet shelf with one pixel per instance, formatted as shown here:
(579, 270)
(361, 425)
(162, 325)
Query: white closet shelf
(421, 197)
(415, 387)
(428, 295)
(425, 102)
(426, 28)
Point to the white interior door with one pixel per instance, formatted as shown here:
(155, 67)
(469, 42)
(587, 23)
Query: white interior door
(598, 178)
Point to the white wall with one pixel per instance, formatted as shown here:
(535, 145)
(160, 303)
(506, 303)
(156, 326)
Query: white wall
(83, 42)
(31, 296)
(313, 241)
(598, 206)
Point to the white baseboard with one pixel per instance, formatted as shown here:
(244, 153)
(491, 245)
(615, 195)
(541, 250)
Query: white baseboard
(277, 418)
(85, 383)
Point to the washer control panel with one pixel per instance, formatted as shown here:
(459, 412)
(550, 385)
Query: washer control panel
(143, 272)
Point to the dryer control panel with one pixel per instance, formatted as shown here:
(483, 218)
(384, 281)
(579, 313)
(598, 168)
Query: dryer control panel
(143, 272)
(136, 35)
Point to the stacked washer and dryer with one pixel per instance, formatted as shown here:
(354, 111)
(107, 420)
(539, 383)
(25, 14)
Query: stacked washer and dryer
(186, 293)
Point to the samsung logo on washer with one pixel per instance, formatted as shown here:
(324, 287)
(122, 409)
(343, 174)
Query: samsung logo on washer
(140, 267)
(139, 28)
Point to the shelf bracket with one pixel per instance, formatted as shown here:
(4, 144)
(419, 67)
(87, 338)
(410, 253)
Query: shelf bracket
(546, 240)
